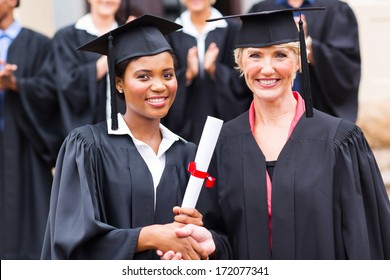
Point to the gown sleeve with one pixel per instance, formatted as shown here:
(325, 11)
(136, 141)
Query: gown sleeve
(76, 228)
(77, 85)
(363, 204)
(33, 107)
(39, 99)
(337, 61)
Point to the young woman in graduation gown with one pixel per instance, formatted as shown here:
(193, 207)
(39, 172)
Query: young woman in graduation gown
(81, 77)
(208, 83)
(116, 182)
(292, 183)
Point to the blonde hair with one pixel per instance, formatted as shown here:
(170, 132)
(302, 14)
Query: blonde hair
(212, 2)
(294, 46)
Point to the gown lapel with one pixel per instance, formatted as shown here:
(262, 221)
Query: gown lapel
(142, 191)
(255, 199)
(283, 209)
(168, 190)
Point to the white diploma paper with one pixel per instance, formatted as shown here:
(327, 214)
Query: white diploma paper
(205, 151)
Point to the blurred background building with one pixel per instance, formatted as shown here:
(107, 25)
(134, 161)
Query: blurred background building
(373, 16)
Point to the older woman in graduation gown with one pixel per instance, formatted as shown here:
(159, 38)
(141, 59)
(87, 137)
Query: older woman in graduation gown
(116, 182)
(292, 182)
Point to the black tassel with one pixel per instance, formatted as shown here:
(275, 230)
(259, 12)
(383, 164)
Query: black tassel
(305, 72)
(111, 72)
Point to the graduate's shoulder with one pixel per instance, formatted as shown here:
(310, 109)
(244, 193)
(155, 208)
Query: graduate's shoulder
(233, 23)
(325, 127)
(236, 127)
(30, 33)
(185, 143)
(331, 5)
(183, 149)
(37, 42)
(68, 29)
(70, 32)
(264, 6)
(182, 145)
(88, 134)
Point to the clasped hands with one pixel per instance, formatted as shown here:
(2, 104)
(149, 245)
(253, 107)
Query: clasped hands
(209, 65)
(188, 226)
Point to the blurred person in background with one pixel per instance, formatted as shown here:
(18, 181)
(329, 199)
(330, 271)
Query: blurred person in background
(28, 140)
(81, 77)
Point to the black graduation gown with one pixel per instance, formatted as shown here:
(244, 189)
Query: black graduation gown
(103, 195)
(28, 150)
(328, 196)
(225, 96)
(336, 75)
(82, 98)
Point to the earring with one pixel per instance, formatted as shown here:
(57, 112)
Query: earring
(120, 91)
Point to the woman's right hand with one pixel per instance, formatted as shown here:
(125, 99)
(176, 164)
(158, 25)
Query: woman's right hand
(200, 234)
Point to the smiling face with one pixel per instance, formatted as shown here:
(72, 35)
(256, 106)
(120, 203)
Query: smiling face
(104, 7)
(269, 72)
(197, 5)
(149, 85)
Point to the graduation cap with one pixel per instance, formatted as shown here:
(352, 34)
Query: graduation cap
(143, 36)
(275, 27)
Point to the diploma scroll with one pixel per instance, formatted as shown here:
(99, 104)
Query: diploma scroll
(205, 151)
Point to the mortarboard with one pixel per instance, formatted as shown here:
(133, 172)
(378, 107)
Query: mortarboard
(275, 27)
(143, 36)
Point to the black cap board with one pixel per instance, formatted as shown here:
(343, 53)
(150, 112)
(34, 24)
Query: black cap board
(275, 27)
(143, 36)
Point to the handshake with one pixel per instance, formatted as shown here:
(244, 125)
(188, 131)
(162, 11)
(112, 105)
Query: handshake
(185, 238)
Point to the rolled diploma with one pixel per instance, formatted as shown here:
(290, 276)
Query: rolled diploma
(205, 151)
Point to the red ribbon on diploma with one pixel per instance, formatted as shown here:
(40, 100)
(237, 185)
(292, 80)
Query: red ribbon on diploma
(200, 174)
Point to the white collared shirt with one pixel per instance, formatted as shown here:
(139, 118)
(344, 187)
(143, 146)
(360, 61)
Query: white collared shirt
(86, 23)
(155, 163)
